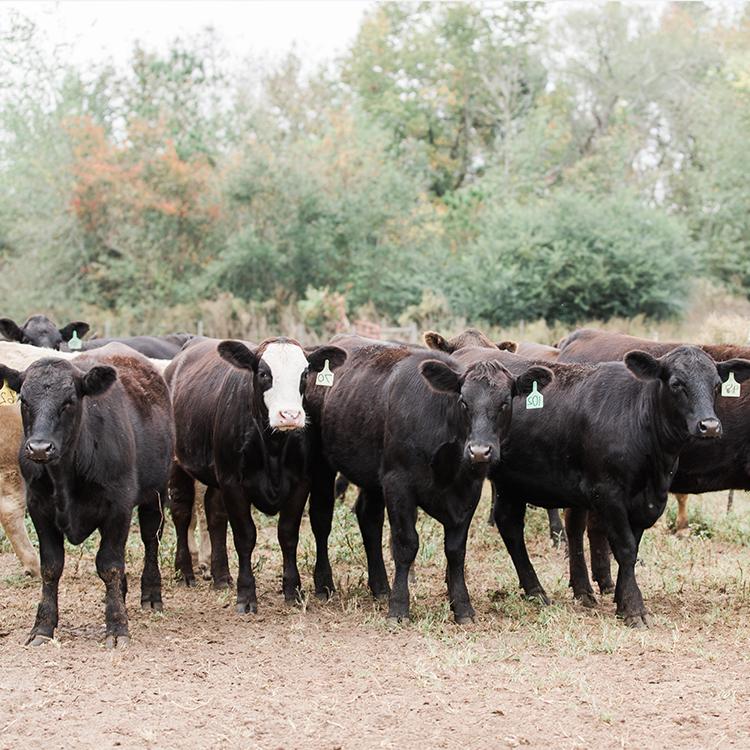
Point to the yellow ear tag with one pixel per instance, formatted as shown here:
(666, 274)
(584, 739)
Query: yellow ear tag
(325, 376)
(534, 400)
(75, 343)
(8, 396)
(730, 387)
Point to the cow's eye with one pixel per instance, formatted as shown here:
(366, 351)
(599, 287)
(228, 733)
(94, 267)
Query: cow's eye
(504, 406)
(463, 403)
(677, 385)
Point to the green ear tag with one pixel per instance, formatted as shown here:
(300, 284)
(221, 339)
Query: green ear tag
(75, 343)
(731, 387)
(8, 396)
(325, 376)
(534, 400)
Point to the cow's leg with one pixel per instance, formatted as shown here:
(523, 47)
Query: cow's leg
(12, 512)
(110, 565)
(245, 534)
(290, 518)
(204, 539)
(509, 518)
(404, 543)
(683, 526)
(322, 503)
(370, 511)
(455, 554)
(491, 516)
(52, 552)
(575, 524)
(730, 501)
(151, 521)
(181, 498)
(556, 528)
(192, 546)
(624, 541)
(600, 553)
(217, 519)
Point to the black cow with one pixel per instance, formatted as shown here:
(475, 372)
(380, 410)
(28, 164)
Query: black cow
(414, 429)
(608, 438)
(239, 418)
(98, 441)
(156, 347)
(471, 338)
(705, 466)
(39, 330)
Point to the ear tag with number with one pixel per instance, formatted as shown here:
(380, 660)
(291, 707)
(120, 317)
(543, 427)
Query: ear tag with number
(7, 395)
(75, 343)
(730, 387)
(534, 400)
(325, 376)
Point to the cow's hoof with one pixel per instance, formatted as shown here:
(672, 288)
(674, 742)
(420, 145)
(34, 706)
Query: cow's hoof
(682, 533)
(381, 596)
(324, 595)
(607, 589)
(188, 583)
(38, 640)
(464, 620)
(394, 621)
(219, 585)
(247, 608)
(540, 597)
(117, 641)
(150, 606)
(586, 599)
(639, 622)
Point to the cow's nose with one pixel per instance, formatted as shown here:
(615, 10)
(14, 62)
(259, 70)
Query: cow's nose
(39, 450)
(709, 427)
(480, 454)
(290, 415)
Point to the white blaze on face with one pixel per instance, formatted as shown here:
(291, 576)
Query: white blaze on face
(283, 399)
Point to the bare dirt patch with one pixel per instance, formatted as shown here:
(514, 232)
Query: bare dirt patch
(332, 675)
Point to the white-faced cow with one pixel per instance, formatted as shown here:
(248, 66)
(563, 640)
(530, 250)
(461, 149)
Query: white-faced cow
(240, 424)
(608, 438)
(413, 429)
(97, 442)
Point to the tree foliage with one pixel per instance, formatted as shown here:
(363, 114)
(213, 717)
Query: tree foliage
(493, 161)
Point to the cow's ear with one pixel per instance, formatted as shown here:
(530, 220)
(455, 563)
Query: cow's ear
(335, 355)
(643, 365)
(10, 330)
(14, 378)
(436, 341)
(238, 355)
(740, 368)
(507, 346)
(98, 380)
(80, 328)
(440, 376)
(538, 374)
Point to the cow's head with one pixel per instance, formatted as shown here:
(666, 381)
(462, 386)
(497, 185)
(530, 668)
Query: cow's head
(690, 382)
(470, 338)
(52, 393)
(280, 367)
(39, 330)
(484, 393)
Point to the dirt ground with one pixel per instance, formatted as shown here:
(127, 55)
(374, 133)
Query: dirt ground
(332, 675)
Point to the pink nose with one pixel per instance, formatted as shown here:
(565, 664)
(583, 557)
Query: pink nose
(290, 415)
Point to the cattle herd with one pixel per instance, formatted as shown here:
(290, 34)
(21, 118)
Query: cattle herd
(603, 425)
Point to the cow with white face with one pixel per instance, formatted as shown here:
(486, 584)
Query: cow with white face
(241, 429)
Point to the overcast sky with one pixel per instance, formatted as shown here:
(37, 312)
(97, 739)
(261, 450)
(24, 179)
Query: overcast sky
(105, 29)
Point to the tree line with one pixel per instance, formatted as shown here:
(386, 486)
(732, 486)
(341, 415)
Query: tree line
(495, 162)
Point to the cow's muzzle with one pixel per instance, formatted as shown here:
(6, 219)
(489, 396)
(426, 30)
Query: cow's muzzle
(40, 451)
(709, 428)
(479, 453)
